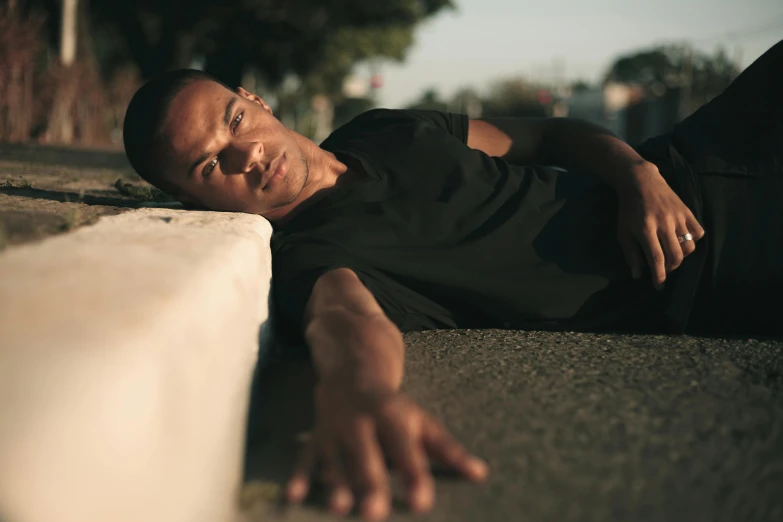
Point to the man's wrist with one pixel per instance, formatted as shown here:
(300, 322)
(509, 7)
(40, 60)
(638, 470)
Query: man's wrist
(357, 351)
(636, 176)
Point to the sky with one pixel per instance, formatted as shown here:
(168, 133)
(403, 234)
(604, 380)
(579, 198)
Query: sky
(486, 40)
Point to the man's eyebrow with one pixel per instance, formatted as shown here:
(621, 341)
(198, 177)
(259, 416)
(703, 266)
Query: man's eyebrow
(226, 121)
(229, 111)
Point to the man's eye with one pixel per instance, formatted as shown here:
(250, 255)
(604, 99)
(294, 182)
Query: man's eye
(237, 119)
(210, 167)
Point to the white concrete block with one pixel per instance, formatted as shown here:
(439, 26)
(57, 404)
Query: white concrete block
(126, 356)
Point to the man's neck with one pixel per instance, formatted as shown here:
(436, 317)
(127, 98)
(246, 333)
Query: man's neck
(325, 172)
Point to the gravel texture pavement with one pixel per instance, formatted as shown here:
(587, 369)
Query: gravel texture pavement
(575, 427)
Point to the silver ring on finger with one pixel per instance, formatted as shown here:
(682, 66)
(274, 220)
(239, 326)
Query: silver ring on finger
(685, 237)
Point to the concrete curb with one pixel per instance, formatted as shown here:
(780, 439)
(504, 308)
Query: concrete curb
(126, 356)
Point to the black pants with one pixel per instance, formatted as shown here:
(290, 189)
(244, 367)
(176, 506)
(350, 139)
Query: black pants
(734, 145)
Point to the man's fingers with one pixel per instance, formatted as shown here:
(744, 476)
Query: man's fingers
(370, 471)
(443, 448)
(407, 455)
(299, 483)
(687, 247)
(340, 496)
(695, 228)
(632, 254)
(655, 258)
(672, 248)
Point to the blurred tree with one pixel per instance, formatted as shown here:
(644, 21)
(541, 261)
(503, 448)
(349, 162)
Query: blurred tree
(349, 45)
(349, 108)
(70, 95)
(659, 65)
(514, 97)
(318, 40)
(580, 86)
(20, 43)
(430, 100)
(693, 77)
(674, 66)
(510, 97)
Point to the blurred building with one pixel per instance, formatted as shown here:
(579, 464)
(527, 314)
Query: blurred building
(628, 110)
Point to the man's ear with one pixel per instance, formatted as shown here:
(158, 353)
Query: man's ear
(254, 98)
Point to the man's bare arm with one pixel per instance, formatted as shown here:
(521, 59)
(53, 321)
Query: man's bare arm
(563, 142)
(350, 336)
(651, 215)
(360, 414)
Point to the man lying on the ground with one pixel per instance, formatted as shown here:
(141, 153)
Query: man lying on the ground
(409, 220)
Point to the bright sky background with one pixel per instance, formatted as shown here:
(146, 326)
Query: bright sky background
(484, 40)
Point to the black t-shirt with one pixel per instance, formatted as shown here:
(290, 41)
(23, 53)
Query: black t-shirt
(445, 236)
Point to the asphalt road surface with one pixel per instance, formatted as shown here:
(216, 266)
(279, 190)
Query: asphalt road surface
(575, 427)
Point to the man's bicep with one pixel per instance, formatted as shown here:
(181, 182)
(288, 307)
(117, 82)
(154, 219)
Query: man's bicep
(340, 289)
(517, 140)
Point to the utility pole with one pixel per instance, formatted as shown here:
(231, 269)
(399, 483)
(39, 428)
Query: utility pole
(68, 32)
(61, 124)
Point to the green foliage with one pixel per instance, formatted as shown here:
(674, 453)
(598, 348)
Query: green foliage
(510, 97)
(317, 40)
(580, 86)
(350, 45)
(514, 97)
(349, 108)
(430, 100)
(662, 64)
(700, 75)
(672, 65)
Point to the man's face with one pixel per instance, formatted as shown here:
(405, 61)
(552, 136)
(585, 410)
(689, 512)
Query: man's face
(222, 149)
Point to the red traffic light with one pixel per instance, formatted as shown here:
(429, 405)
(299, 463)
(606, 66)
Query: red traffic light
(544, 97)
(376, 81)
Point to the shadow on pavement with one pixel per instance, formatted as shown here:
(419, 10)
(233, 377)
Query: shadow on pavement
(281, 408)
(64, 156)
(71, 197)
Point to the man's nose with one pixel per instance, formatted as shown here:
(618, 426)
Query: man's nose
(247, 154)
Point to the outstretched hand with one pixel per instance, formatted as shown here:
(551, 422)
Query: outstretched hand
(651, 223)
(354, 430)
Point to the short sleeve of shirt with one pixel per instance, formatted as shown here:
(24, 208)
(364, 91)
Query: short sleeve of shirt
(298, 268)
(373, 120)
(304, 252)
(456, 124)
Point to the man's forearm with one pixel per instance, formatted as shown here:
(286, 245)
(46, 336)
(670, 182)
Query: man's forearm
(365, 351)
(581, 146)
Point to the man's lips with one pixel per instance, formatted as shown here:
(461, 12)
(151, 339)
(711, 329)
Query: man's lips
(276, 171)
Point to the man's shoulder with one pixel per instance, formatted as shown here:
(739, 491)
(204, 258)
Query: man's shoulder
(374, 119)
(378, 120)
(390, 115)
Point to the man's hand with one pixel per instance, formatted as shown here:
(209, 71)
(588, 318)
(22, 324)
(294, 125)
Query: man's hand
(359, 355)
(353, 431)
(652, 216)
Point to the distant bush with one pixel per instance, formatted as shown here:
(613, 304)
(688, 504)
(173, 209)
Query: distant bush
(20, 44)
(42, 100)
